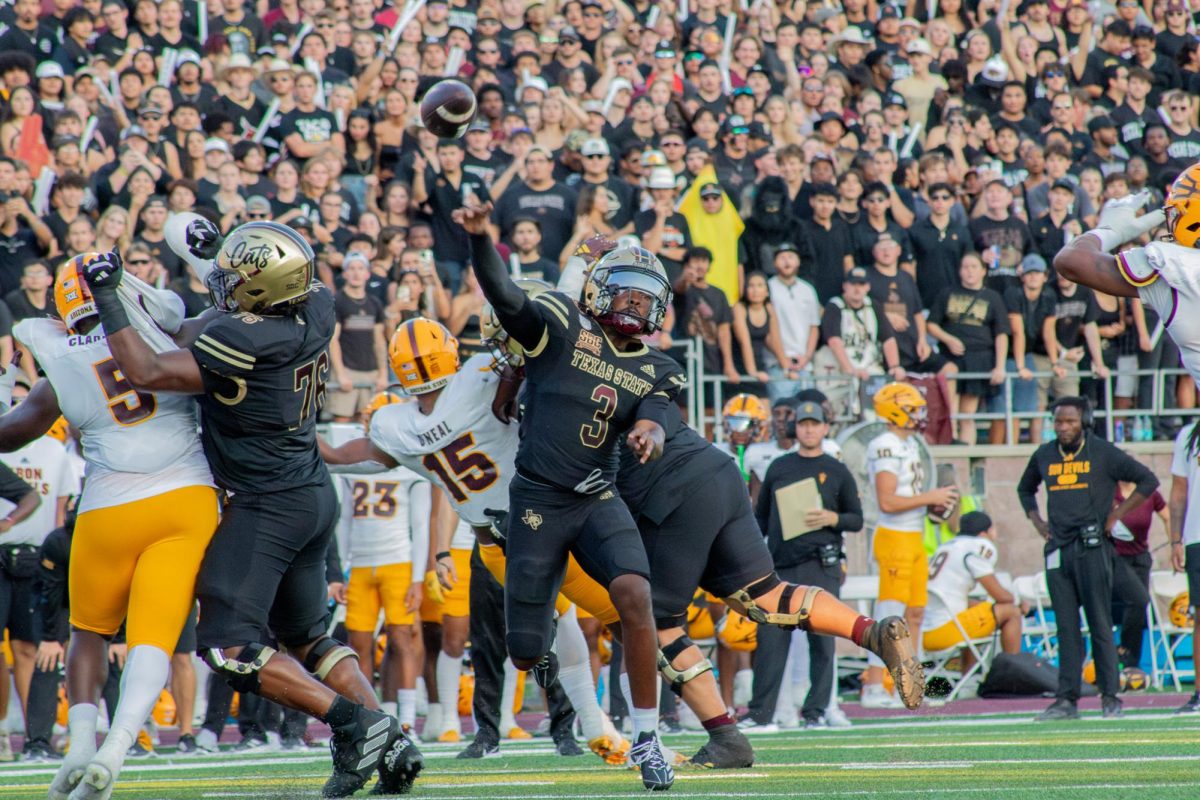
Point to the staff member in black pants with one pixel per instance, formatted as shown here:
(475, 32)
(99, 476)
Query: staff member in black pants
(1081, 472)
(812, 559)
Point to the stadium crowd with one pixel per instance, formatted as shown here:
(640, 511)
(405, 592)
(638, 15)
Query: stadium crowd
(841, 195)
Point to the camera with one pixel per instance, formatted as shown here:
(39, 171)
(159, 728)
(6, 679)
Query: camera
(830, 554)
(1091, 535)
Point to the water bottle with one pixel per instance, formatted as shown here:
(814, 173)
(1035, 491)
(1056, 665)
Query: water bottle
(1119, 430)
(1137, 430)
(1047, 429)
(1147, 428)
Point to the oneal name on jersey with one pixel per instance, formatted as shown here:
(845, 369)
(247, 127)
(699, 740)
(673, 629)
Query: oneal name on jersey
(610, 373)
(434, 435)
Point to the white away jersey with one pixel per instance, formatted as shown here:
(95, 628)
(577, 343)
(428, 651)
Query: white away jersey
(1173, 290)
(460, 446)
(888, 452)
(953, 571)
(1185, 465)
(385, 515)
(46, 466)
(136, 444)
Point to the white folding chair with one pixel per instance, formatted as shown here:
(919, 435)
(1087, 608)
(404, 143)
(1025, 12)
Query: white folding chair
(1039, 633)
(1165, 586)
(860, 592)
(981, 648)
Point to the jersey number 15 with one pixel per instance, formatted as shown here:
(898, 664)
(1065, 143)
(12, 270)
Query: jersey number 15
(462, 471)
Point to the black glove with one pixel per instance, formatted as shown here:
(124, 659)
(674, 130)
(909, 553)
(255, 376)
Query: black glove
(103, 275)
(203, 239)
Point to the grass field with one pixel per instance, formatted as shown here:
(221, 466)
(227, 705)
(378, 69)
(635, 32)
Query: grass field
(1146, 756)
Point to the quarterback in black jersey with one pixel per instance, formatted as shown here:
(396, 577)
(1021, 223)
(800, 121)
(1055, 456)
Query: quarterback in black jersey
(258, 367)
(589, 381)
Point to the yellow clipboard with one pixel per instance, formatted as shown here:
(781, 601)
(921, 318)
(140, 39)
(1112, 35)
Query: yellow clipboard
(794, 502)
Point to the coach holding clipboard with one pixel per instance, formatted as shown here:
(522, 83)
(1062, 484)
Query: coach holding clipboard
(807, 501)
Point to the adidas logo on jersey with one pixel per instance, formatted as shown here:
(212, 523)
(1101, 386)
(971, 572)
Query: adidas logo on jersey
(649, 370)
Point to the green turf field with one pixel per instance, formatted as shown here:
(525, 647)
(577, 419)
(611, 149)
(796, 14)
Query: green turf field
(1147, 756)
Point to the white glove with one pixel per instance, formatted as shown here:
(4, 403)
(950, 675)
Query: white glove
(1119, 221)
(7, 382)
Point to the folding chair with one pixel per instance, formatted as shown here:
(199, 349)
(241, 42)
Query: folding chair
(1166, 585)
(981, 648)
(860, 592)
(1039, 634)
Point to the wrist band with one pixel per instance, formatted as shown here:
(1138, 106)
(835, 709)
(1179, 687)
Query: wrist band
(111, 311)
(441, 555)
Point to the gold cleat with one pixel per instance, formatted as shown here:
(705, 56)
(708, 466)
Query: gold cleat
(890, 640)
(616, 755)
(450, 736)
(518, 732)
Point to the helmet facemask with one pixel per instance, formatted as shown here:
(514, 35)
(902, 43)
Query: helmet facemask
(613, 283)
(221, 284)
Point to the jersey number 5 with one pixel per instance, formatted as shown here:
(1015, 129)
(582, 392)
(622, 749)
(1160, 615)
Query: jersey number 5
(127, 405)
(462, 471)
(595, 433)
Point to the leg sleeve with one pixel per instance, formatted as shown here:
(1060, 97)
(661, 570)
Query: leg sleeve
(487, 647)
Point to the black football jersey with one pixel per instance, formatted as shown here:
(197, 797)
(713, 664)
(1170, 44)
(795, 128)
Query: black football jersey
(581, 395)
(264, 385)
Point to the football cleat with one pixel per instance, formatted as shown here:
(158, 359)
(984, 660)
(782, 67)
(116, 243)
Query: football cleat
(6, 753)
(480, 748)
(1192, 706)
(187, 745)
(1058, 710)
(1111, 708)
(401, 764)
(70, 773)
(565, 745)
(647, 754)
(726, 748)
(890, 640)
(517, 732)
(545, 672)
(99, 778)
(450, 736)
(357, 748)
(875, 696)
(748, 725)
(614, 751)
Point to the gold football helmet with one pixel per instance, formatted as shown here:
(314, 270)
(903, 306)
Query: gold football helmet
(744, 418)
(1180, 612)
(380, 400)
(902, 405)
(424, 355)
(621, 272)
(72, 298)
(1183, 207)
(506, 351)
(261, 268)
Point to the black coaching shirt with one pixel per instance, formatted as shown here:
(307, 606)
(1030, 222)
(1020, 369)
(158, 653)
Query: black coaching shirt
(264, 385)
(1080, 486)
(839, 493)
(581, 394)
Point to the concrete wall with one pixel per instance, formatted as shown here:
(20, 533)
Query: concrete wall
(992, 472)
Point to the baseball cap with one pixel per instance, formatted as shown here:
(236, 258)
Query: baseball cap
(49, 69)
(994, 73)
(736, 123)
(857, 275)
(140, 132)
(594, 147)
(257, 204)
(549, 37)
(710, 190)
(831, 116)
(1100, 122)
(786, 247)
(974, 523)
(664, 50)
(537, 148)
(150, 110)
(1033, 263)
(479, 124)
(211, 144)
(354, 256)
(536, 82)
(661, 178)
(810, 410)
(568, 33)
(1063, 183)
(593, 106)
(189, 57)
(919, 46)
(895, 99)
(889, 12)
(155, 201)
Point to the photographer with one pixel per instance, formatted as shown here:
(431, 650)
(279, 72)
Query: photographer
(813, 558)
(1081, 473)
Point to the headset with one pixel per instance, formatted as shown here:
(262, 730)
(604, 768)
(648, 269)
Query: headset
(1087, 413)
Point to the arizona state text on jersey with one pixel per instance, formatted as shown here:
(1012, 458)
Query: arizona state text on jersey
(264, 384)
(581, 393)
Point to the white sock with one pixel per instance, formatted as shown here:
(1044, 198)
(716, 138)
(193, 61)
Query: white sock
(81, 728)
(406, 706)
(145, 675)
(508, 697)
(643, 719)
(388, 708)
(449, 668)
(576, 681)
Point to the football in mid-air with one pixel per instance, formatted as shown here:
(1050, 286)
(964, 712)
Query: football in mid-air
(448, 108)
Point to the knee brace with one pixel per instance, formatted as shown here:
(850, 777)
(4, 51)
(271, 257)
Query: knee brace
(241, 672)
(742, 601)
(678, 677)
(325, 655)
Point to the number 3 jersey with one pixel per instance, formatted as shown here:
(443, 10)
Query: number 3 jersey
(264, 384)
(581, 394)
(461, 446)
(888, 452)
(136, 444)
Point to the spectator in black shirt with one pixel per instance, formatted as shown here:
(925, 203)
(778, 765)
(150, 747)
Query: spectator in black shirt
(939, 243)
(1134, 114)
(242, 30)
(444, 190)
(527, 242)
(622, 197)
(1031, 318)
(67, 199)
(858, 341)
(1075, 314)
(34, 298)
(1156, 143)
(703, 310)
(308, 130)
(662, 229)
(733, 163)
(1050, 230)
(541, 197)
(1108, 154)
(28, 34)
(358, 349)
(972, 323)
(876, 222)
(23, 238)
(894, 292)
(1000, 238)
(827, 242)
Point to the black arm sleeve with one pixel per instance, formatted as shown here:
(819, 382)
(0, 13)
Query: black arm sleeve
(766, 496)
(1027, 487)
(333, 563)
(654, 409)
(513, 307)
(850, 514)
(12, 488)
